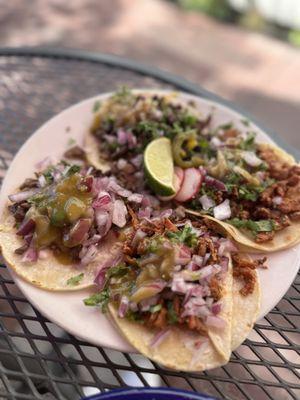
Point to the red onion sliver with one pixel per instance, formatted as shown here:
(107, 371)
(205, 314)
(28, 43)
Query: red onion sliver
(160, 337)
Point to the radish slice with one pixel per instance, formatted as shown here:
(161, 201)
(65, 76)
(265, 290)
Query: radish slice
(191, 184)
(177, 182)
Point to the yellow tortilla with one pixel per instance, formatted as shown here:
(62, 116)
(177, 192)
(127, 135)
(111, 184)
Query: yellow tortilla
(91, 147)
(283, 239)
(244, 312)
(175, 351)
(48, 273)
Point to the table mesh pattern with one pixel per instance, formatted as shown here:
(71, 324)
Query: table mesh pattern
(38, 360)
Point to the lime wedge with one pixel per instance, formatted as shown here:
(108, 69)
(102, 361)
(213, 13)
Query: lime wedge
(159, 167)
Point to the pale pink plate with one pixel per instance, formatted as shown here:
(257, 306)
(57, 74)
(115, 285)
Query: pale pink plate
(67, 309)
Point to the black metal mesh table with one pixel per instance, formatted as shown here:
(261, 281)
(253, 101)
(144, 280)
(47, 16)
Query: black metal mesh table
(38, 360)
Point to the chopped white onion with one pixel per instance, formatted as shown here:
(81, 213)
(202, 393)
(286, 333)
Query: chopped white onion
(251, 158)
(206, 202)
(277, 200)
(222, 211)
(119, 213)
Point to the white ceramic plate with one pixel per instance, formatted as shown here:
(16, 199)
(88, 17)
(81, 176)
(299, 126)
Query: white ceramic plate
(67, 309)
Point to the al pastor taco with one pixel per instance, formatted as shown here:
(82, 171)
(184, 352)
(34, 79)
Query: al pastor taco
(251, 189)
(173, 294)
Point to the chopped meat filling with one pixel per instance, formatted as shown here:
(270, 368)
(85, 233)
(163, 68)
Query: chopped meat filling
(243, 268)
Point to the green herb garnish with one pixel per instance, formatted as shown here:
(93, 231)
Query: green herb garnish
(98, 299)
(263, 225)
(185, 236)
(249, 142)
(73, 169)
(172, 316)
(75, 280)
(97, 106)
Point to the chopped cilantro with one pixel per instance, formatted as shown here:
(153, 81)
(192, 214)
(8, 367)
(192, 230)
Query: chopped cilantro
(98, 299)
(156, 308)
(172, 316)
(73, 169)
(75, 280)
(249, 142)
(185, 236)
(264, 225)
(37, 199)
(117, 271)
(97, 106)
(154, 244)
(48, 175)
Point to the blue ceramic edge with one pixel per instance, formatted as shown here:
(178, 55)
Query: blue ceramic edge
(119, 394)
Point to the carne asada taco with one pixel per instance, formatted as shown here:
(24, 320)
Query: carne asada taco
(171, 293)
(251, 189)
(60, 225)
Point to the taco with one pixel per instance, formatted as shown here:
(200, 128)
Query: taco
(251, 189)
(173, 294)
(62, 226)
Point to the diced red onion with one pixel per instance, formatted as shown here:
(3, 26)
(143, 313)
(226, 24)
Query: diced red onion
(78, 233)
(215, 322)
(192, 266)
(145, 213)
(206, 202)
(122, 137)
(116, 188)
(277, 200)
(137, 161)
(22, 196)
(149, 201)
(131, 140)
(197, 260)
(89, 255)
(226, 246)
(222, 211)
(135, 198)
(31, 254)
(103, 201)
(183, 255)
(215, 183)
(123, 307)
(179, 285)
(205, 259)
(42, 181)
(216, 308)
(103, 221)
(93, 240)
(251, 158)
(27, 226)
(100, 184)
(147, 303)
(87, 181)
(119, 213)
(160, 337)
(110, 262)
